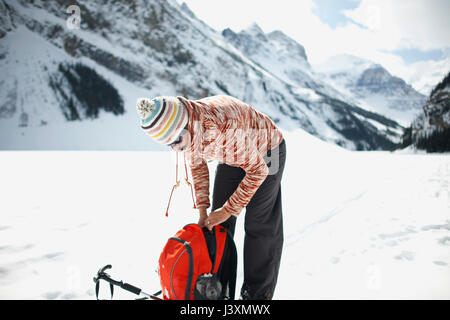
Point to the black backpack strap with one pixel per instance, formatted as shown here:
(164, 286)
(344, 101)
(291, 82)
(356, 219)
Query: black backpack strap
(228, 267)
(231, 265)
(211, 244)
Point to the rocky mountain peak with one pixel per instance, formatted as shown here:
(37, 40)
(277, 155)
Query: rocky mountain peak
(255, 30)
(274, 45)
(187, 10)
(290, 44)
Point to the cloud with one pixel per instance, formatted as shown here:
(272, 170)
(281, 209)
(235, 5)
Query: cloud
(406, 24)
(425, 75)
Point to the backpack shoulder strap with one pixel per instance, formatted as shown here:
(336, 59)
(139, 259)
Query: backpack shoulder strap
(228, 265)
(221, 239)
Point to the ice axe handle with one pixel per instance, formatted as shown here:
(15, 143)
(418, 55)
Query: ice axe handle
(132, 289)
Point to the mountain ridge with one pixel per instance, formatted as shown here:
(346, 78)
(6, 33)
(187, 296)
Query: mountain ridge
(166, 50)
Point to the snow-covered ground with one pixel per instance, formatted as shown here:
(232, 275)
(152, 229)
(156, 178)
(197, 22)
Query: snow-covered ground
(357, 224)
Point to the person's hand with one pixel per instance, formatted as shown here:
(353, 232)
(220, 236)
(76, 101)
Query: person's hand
(215, 218)
(203, 217)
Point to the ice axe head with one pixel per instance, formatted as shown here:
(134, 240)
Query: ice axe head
(101, 273)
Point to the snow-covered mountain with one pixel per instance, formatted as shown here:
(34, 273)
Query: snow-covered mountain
(373, 86)
(57, 80)
(431, 130)
(275, 52)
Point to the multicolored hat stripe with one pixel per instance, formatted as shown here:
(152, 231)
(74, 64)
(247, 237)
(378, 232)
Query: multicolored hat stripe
(162, 118)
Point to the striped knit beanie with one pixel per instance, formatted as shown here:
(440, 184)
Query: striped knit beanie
(162, 118)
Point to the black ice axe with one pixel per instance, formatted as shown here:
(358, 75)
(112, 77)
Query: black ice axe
(102, 275)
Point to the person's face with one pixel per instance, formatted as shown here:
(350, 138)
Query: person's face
(182, 143)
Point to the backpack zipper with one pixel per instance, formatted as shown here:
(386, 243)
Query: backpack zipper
(187, 249)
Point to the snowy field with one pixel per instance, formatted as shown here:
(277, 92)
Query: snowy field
(358, 225)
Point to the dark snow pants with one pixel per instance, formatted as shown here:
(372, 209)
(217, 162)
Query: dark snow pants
(263, 241)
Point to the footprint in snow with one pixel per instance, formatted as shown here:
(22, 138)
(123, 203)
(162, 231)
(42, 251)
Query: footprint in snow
(335, 260)
(400, 234)
(445, 241)
(440, 263)
(52, 295)
(406, 255)
(437, 227)
(392, 243)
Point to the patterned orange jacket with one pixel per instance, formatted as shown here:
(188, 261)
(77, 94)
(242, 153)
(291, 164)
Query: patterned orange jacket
(226, 129)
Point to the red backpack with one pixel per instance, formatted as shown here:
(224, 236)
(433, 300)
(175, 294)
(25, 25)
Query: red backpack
(198, 264)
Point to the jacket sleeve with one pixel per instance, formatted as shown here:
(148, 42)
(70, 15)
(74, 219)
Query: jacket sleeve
(256, 172)
(200, 177)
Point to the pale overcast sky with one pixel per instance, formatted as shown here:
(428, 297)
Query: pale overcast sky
(411, 38)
